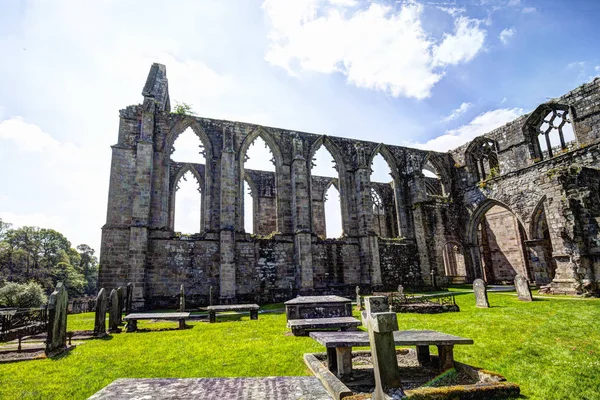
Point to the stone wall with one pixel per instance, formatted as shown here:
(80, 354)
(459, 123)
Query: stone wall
(289, 255)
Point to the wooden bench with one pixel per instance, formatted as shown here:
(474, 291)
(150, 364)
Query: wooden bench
(213, 310)
(172, 316)
(300, 327)
(339, 347)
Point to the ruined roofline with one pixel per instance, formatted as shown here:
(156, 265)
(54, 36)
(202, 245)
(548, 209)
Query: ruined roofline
(156, 87)
(522, 118)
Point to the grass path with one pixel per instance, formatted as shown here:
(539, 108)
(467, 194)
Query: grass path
(550, 347)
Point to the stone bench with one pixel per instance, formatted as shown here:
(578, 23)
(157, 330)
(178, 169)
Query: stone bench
(301, 326)
(213, 310)
(172, 316)
(339, 347)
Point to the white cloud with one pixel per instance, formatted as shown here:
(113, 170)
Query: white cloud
(527, 10)
(481, 124)
(461, 46)
(514, 3)
(375, 48)
(453, 11)
(506, 35)
(577, 64)
(457, 112)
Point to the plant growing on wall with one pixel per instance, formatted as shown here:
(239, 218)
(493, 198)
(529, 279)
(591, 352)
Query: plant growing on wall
(183, 109)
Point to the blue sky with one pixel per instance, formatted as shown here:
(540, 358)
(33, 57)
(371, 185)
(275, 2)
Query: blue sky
(431, 74)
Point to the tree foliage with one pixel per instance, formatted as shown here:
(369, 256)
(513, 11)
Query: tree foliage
(22, 295)
(45, 256)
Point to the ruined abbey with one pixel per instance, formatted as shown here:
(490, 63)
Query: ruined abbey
(522, 199)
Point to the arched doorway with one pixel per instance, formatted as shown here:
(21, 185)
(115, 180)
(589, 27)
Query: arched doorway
(540, 249)
(498, 243)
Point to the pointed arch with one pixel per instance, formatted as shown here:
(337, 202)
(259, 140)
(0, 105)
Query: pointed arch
(481, 157)
(178, 128)
(479, 212)
(400, 215)
(497, 252)
(534, 225)
(331, 147)
(184, 123)
(338, 158)
(266, 135)
(533, 133)
(387, 155)
(329, 217)
(188, 167)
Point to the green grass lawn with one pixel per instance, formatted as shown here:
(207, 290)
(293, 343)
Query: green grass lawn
(550, 347)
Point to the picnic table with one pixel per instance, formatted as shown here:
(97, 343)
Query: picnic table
(339, 347)
(171, 316)
(213, 310)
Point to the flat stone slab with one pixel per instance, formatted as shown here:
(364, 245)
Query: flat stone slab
(401, 338)
(317, 299)
(167, 316)
(234, 307)
(268, 388)
(322, 323)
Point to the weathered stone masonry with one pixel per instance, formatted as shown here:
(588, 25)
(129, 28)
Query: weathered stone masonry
(554, 197)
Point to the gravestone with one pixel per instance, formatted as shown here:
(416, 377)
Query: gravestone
(379, 305)
(100, 321)
(358, 298)
(381, 326)
(128, 298)
(57, 320)
(121, 295)
(480, 290)
(522, 287)
(114, 312)
(181, 299)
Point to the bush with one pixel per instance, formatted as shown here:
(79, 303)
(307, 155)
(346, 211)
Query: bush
(22, 295)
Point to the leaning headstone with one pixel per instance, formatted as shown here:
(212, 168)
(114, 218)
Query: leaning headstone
(522, 286)
(181, 299)
(100, 321)
(121, 295)
(57, 320)
(114, 312)
(481, 300)
(128, 298)
(358, 298)
(381, 326)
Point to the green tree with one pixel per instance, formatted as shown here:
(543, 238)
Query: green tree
(89, 268)
(46, 256)
(22, 295)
